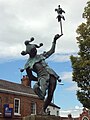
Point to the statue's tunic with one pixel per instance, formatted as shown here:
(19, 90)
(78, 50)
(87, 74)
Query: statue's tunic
(37, 61)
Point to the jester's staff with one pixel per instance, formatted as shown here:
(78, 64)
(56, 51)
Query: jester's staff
(60, 16)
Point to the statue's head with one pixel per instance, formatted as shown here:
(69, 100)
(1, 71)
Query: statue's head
(58, 6)
(31, 49)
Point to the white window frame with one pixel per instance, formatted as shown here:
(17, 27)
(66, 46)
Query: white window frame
(33, 111)
(85, 117)
(17, 113)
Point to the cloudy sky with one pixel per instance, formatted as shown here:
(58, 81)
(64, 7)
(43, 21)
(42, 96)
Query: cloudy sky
(22, 19)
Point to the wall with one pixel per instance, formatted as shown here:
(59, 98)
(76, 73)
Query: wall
(53, 110)
(25, 102)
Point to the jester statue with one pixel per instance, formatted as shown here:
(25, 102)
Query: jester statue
(46, 77)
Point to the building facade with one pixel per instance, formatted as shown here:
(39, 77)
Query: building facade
(85, 115)
(17, 101)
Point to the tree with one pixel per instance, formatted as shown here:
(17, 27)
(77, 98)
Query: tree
(81, 63)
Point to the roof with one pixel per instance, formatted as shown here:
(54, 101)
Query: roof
(16, 88)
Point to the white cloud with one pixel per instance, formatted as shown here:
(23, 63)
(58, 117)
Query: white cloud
(75, 112)
(11, 51)
(64, 113)
(66, 76)
(19, 20)
(73, 87)
(61, 57)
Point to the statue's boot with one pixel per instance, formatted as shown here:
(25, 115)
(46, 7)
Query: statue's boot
(42, 112)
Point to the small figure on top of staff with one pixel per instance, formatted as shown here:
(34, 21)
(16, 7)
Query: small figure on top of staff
(60, 16)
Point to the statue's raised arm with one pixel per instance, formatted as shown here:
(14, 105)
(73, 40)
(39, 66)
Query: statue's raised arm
(52, 50)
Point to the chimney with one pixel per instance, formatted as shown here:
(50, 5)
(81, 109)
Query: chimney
(25, 81)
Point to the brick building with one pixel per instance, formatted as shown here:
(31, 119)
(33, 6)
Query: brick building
(18, 100)
(85, 115)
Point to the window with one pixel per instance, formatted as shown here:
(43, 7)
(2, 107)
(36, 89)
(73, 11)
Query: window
(16, 106)
(57, 113)
(85, 118)
(89, 112)
(33, 108)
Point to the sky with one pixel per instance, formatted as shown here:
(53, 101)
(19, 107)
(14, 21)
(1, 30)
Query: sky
(22, 19)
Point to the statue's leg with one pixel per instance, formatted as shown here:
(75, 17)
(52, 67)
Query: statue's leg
(38, 91)
(44, 83)
(29, 73)
(51, 88)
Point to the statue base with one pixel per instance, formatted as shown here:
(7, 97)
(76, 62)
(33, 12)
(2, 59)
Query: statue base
(41, 117)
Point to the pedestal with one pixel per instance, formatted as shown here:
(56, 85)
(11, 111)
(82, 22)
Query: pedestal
(41, 117)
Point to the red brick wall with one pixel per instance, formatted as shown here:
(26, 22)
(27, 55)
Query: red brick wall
(25, 105)
(85, 113)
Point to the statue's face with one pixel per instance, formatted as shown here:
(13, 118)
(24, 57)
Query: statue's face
(33, 52)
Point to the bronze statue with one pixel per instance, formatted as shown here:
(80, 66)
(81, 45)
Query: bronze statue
(46, 77)
(60, 16)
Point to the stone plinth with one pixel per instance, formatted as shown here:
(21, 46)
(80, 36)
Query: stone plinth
(41, 117)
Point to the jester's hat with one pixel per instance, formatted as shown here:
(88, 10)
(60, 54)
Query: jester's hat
(29, 46)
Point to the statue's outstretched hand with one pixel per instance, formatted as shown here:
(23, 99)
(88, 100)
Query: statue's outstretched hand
(57, 36)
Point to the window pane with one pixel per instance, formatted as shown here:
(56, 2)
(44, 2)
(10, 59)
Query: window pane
(33, 108)
(17, 106)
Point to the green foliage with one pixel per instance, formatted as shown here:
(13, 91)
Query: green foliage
(81, 63)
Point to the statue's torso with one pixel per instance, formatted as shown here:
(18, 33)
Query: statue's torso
(39, 66)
